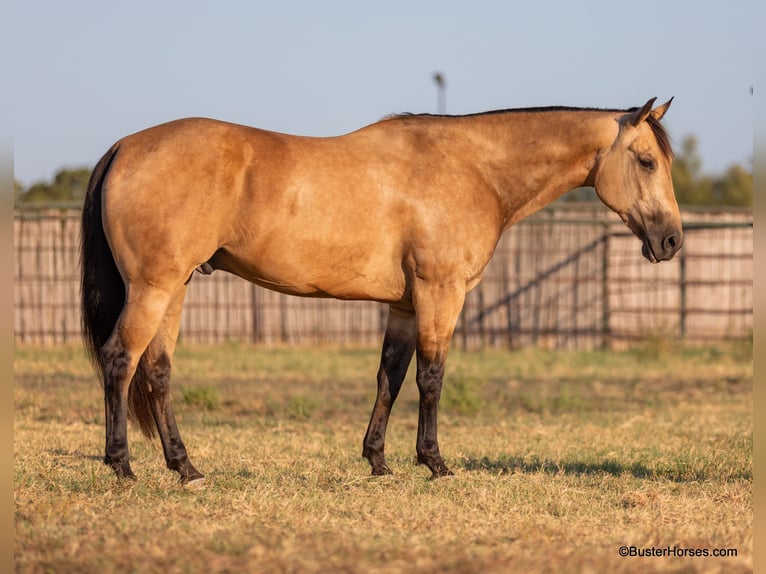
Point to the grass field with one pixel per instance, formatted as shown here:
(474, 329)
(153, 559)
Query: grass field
(560, 458)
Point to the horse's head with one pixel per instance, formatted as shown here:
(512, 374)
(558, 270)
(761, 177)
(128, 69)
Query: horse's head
(633, 179)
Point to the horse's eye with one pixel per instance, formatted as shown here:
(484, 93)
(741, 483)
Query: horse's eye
(647, 163)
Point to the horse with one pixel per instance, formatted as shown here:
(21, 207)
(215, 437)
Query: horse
(406, 211)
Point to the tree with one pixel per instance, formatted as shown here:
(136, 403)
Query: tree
(686, 174)
(67, 185)
(18, 190)
(734, 188)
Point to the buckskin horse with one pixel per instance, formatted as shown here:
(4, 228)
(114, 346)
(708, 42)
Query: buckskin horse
(406, 211)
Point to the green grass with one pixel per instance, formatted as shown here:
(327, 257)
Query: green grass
(559, 458)
(205, 398)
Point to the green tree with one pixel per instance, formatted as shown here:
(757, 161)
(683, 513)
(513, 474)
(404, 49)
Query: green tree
(735, 187)
(67, 185)
(692, 187)
(18, 190)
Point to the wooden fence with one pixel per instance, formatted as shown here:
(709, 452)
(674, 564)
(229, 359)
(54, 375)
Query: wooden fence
(563, 278)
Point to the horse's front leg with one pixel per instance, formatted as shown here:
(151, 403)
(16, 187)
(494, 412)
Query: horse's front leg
(395, 357)
(437, 308)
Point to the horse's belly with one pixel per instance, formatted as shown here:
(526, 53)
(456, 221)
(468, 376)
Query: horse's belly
(317, 276)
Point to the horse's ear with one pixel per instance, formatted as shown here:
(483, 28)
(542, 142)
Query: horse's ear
(660, 111)
(635, 118)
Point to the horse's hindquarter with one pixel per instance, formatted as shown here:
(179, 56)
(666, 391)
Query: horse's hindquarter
(166, 198)
(351, 217)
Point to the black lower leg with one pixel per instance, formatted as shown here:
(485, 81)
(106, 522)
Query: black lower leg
(176, 457)
(395, 359)
(429, 379)
(116, 378)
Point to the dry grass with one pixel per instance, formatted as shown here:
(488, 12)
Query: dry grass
(560, 458)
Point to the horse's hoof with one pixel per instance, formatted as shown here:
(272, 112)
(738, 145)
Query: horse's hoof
(121, 469)
(382, 471)
(195, 483)
(442, 473)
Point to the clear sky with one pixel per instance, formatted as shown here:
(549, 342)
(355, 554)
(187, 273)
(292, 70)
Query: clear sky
(85, 73)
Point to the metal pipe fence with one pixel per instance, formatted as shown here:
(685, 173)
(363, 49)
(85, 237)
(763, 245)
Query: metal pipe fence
(563, 278)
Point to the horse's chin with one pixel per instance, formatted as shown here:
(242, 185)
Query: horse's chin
(646, 251)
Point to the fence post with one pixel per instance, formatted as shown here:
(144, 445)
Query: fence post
(506, 288)
(463, 329)
(256, 335)
(682, 291)
(482, 331)
(284, 332)
(606, 341)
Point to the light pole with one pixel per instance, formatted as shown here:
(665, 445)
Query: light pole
(441, 92)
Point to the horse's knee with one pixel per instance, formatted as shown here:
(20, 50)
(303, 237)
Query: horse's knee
(160, 374)
(429, 379)
(117, 364)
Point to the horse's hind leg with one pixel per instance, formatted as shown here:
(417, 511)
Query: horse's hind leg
(135, 328)
(159, 358)
(398, 347)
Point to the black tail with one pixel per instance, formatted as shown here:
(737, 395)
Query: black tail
(103, 294)
(102, 289)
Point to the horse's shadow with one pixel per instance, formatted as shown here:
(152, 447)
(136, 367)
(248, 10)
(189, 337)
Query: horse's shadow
(63, 453)
(525, 465)
(504, 464)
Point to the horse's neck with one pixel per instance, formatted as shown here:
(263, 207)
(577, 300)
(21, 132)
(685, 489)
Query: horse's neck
(537, 158)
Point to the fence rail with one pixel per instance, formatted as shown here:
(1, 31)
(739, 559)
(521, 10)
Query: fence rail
(562, 278)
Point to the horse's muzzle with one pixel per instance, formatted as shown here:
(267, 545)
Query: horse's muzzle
(662, 246)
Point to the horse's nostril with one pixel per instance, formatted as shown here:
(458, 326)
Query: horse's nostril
(670, 242)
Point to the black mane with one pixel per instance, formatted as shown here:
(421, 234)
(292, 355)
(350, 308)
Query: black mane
(512, 111)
